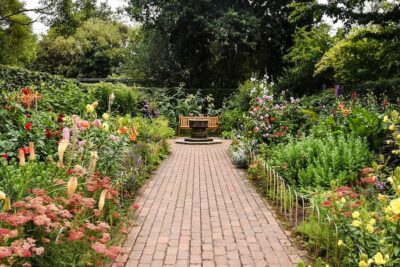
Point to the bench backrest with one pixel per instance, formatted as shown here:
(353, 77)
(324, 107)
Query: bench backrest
(184, 121)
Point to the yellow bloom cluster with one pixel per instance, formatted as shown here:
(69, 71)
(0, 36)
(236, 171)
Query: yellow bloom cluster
(357, 222)
(378, 259)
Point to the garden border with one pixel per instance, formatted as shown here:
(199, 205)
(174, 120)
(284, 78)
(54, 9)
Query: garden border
(292, 206)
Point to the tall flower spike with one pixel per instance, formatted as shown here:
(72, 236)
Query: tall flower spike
(102, 199)
(31, 151)
(93, 160)
(71, 186)
(21, 157)
(62, 147)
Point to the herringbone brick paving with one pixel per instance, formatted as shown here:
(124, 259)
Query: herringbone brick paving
(199, 210)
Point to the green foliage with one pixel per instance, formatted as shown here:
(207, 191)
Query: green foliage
(364, 55)
(126, 99)
(311, 163)
(17, 41)
(308, 48)
(367, 124)
(12, 78)
(96, 49)
(64, 17)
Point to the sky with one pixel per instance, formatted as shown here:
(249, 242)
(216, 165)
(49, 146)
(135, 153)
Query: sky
(40, 29)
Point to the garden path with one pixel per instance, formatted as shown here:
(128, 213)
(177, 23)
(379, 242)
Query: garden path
(199, 210)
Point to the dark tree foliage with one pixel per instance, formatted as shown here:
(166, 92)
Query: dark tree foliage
(351, 12)
(215, 43)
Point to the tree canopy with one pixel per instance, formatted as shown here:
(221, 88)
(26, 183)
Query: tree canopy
(17, 42)
(214, 43)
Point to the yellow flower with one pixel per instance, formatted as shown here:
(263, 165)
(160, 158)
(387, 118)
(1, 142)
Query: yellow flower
(372, 221)
(356, 223)
(378, 259)
(381, 197)
(95, 104)
(369, 228)
(362, 264)
(2, 195)
(395, 206)
(398, 137)
(340, 243)
(381, 242)
(385, 119)
(105, 127)
(355, 214)
(390, 180)
(392, 127)
(343, 200)
(370, 261)
(106, 116)
(89, 108)
(388, 209)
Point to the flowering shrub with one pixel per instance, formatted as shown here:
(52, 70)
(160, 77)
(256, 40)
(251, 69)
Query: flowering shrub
(271, 115)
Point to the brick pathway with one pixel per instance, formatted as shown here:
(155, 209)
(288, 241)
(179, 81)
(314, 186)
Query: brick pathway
(198, 210)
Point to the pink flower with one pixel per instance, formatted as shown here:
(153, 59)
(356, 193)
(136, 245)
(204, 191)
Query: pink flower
(105, 237)
(135, 206)
(41, 220)
(38, 251)
(256, 129)
(5, 252)
(97, 123)
(75, 235)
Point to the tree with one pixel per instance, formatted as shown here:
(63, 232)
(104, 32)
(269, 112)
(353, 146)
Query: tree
(17, 42)
(96, 49)
(361, 56)
(309, 47)
(65, 16)
(362, 12)
(214, 43)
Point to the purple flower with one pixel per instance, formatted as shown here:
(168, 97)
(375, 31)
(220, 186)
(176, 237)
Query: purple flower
(266, 135)
(114, 138)
(338, 89)
(277, 107)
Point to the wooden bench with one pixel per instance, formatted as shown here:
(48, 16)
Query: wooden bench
(213, 122)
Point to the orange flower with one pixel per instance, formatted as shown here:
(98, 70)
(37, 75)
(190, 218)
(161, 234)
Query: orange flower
(21, 157)
(31, 151)
(134, 131)
(72, 185)
(122, 130)
(85, 124)
(133, 137)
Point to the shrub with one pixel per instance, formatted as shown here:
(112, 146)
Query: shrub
(126, 99)
(314, 162)
(239, 155)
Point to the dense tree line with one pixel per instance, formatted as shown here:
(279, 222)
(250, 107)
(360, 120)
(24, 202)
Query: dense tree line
(218, 43)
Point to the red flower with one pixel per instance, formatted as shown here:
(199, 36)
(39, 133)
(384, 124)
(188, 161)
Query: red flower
(48, 134)
(326, 203)
(26, 150)
(60, 117)
(28, 126)
(5, 156)
(28, 116)
(26, 91)
(135, 206)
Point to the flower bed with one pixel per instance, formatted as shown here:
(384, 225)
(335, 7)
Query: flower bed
(67, 180)
(334, 176)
